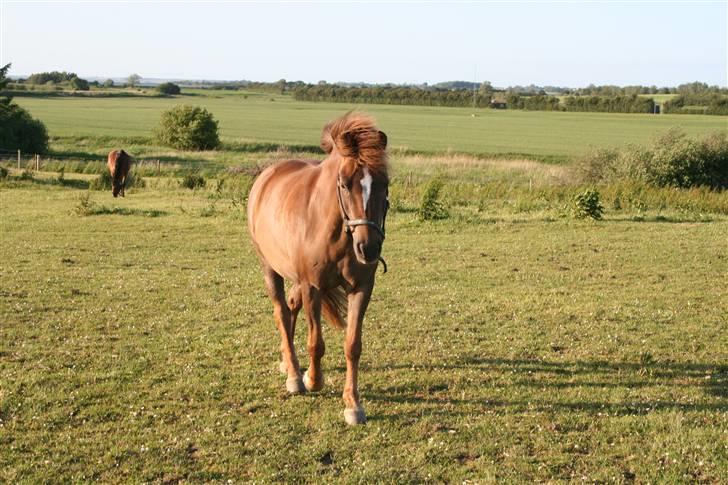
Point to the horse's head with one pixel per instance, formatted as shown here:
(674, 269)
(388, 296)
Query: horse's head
(115, 187)
(362, 182)
(363, 191)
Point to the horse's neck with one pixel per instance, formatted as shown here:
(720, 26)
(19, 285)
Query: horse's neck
(327, 203)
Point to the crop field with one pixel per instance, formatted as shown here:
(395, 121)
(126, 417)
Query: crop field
(99, 124)
(506, 343)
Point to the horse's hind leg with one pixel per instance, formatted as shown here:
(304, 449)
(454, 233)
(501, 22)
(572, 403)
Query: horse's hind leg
(313, 379)
(295, 303)
(282, 314)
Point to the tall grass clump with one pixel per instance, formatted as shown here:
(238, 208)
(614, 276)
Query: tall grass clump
(431, 207)
(104, 181)
(193, 181)
(672, 160)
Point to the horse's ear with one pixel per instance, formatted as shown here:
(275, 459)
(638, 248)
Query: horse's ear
(383, 140)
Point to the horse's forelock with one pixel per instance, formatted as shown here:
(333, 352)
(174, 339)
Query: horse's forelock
(356, 137)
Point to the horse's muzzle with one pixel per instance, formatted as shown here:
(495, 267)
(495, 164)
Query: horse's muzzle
(368, 253)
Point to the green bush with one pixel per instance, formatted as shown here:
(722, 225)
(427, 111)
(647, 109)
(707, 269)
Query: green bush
(169, 88)
(192, 181)
(79, 84)
(188, 128)
(20, 131)
(586, 205)
(3, 172)
(431, 207)
(673, 160)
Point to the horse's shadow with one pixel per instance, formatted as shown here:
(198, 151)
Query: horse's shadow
(435, 398)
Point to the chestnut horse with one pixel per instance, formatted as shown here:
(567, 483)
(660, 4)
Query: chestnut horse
(119, 163)
(320, 225)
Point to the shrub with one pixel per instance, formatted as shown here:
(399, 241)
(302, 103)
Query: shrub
(3, 172)
(673, 160)
(586, 205)
(19, 130)
(188, 128)
(192, 181)
(431, 208)
(678, 161)
(85, 206)
(169, 88)
(79, 84)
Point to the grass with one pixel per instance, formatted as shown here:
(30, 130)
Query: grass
(504, 344)
(95, 125)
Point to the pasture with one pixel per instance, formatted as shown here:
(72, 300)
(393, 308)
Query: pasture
(88, 125)
(506, 343)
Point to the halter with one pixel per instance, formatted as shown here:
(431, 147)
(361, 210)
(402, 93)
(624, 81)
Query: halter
(349, 224)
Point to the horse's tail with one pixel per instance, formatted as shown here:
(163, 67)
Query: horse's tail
(333, 307)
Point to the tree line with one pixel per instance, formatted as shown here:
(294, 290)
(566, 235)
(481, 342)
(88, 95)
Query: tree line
(400, 95)
(698, 103)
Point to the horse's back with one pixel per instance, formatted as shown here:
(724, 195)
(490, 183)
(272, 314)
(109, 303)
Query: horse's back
(118, 161)
(277, 183)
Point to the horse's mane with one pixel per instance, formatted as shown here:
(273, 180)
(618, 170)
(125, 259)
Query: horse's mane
(356, 137)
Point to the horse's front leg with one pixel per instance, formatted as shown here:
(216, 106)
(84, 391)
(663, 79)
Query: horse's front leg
(358, 301)
(313, 379)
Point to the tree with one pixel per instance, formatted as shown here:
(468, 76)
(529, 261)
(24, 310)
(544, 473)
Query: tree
(281, 85)
(133, 80)
(4, 83)
(486, 88)
(79, 84)
(188, 128)
(169, 88)
(109, 83)
(19, 130)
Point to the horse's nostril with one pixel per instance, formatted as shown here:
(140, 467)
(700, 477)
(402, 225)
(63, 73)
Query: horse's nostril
(371, 251)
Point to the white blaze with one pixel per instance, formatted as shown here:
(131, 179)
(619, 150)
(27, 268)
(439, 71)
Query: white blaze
(366, 187)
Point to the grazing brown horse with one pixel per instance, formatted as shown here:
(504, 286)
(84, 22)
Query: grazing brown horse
(119, 163)
(320, 225)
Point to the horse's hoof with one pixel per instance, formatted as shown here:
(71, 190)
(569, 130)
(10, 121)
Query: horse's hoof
(355, 416)
(294, 385)
(283, 368)
(310, 385)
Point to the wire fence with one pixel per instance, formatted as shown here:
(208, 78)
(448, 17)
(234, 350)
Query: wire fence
(94, 163)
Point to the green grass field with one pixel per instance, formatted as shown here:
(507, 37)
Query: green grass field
(262, 118)
(507, 343)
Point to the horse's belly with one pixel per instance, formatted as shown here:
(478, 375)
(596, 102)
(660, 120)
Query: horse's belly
(272, 248)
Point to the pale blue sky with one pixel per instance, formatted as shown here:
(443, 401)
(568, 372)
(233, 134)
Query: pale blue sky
(507, 43)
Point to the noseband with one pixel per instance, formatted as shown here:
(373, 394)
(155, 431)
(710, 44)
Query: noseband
(350, 224)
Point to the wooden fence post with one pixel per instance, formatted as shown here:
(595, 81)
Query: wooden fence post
(37, 162)
(159, 169)
(18, 158)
